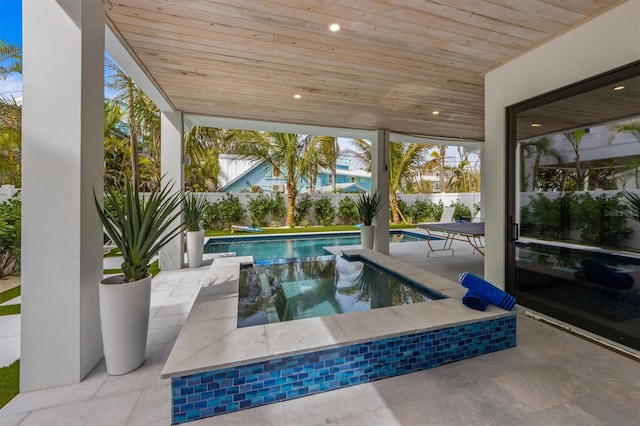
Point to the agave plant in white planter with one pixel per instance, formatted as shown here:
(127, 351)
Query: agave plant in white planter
(368, 206)
(139, 228)
(194, 206)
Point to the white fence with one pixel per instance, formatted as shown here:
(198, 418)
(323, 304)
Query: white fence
(468, 199)
(7, 191)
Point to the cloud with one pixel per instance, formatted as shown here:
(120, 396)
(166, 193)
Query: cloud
(12, 86)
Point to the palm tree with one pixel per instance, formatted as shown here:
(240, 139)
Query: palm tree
(575, 138)
(286, 154)
(116, 152)
(203, 146)
(12, 53)
(361, 150)
(126, 92)
(143, 122)
(538, 147)
(437, 163)
(632, 128)
(441, 156)
(320, 151)
(329, 152)
(403, 158)
(10, 141)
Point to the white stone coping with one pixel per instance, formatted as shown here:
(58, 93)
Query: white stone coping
(211, 340)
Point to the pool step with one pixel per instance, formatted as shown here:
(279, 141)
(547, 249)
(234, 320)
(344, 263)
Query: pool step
(271, 311)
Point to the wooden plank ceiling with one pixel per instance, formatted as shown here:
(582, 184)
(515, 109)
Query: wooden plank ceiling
(391, 65)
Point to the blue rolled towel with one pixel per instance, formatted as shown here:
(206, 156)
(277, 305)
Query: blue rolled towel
(491, 293)
(475, 301)
(605, 275)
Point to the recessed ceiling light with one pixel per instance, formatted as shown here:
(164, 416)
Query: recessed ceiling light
(297, 96)
(536, 125)
(435, 112)
(618, 88)
(334, 27)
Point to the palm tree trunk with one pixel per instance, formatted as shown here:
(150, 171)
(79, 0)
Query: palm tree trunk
(291, 209)
(292, 193)
(563, 181)
(133, 138)
(443, 150)
(395, 212)
(334, 175)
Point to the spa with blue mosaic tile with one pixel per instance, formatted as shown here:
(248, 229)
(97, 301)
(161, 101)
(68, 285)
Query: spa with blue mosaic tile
(215, 392)
(217, 368)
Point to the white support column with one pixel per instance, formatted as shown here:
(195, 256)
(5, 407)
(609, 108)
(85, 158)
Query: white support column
(62, 148)
(380, 183)
(171, 151)
(483, 187)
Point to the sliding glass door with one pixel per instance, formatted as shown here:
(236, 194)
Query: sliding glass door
(573, 197)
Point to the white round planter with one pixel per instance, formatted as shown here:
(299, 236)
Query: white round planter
(367, 233)
(195, 247)
(124, 315)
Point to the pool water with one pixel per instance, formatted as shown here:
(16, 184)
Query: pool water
(279, 247)
(320, 286)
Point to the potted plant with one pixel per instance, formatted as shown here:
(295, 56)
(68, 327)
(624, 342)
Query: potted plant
(194, 205)
(368, 206)
(139, 228)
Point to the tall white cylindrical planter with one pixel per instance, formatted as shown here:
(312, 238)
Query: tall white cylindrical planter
(195, 248)
(124, 315)
(367, 232)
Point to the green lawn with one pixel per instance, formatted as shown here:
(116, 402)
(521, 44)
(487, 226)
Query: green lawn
(9, 382)
(8, 295)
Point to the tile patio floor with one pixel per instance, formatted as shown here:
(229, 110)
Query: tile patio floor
(550, 378)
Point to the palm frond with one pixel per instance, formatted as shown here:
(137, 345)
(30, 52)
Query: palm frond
(633, 202)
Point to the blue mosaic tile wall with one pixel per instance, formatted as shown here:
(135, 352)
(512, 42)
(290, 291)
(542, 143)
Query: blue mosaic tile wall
(216, 392)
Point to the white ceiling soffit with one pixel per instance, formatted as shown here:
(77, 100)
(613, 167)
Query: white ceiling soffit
(428, 140)
(191, 120)
(129, 65)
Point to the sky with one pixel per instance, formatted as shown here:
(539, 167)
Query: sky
(11, 32)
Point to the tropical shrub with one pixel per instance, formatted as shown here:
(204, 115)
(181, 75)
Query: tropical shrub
(278, 208)
(230, 211)
(325, 212)
(302, 209)
(259, 208)
(10, 243)
(348, 212)
(428, 211)
(462, 212)
(211, 216)
(601, 220)
(408, 212)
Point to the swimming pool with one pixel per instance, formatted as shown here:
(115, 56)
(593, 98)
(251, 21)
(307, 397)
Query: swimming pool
(294, 246)
(313, 287)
